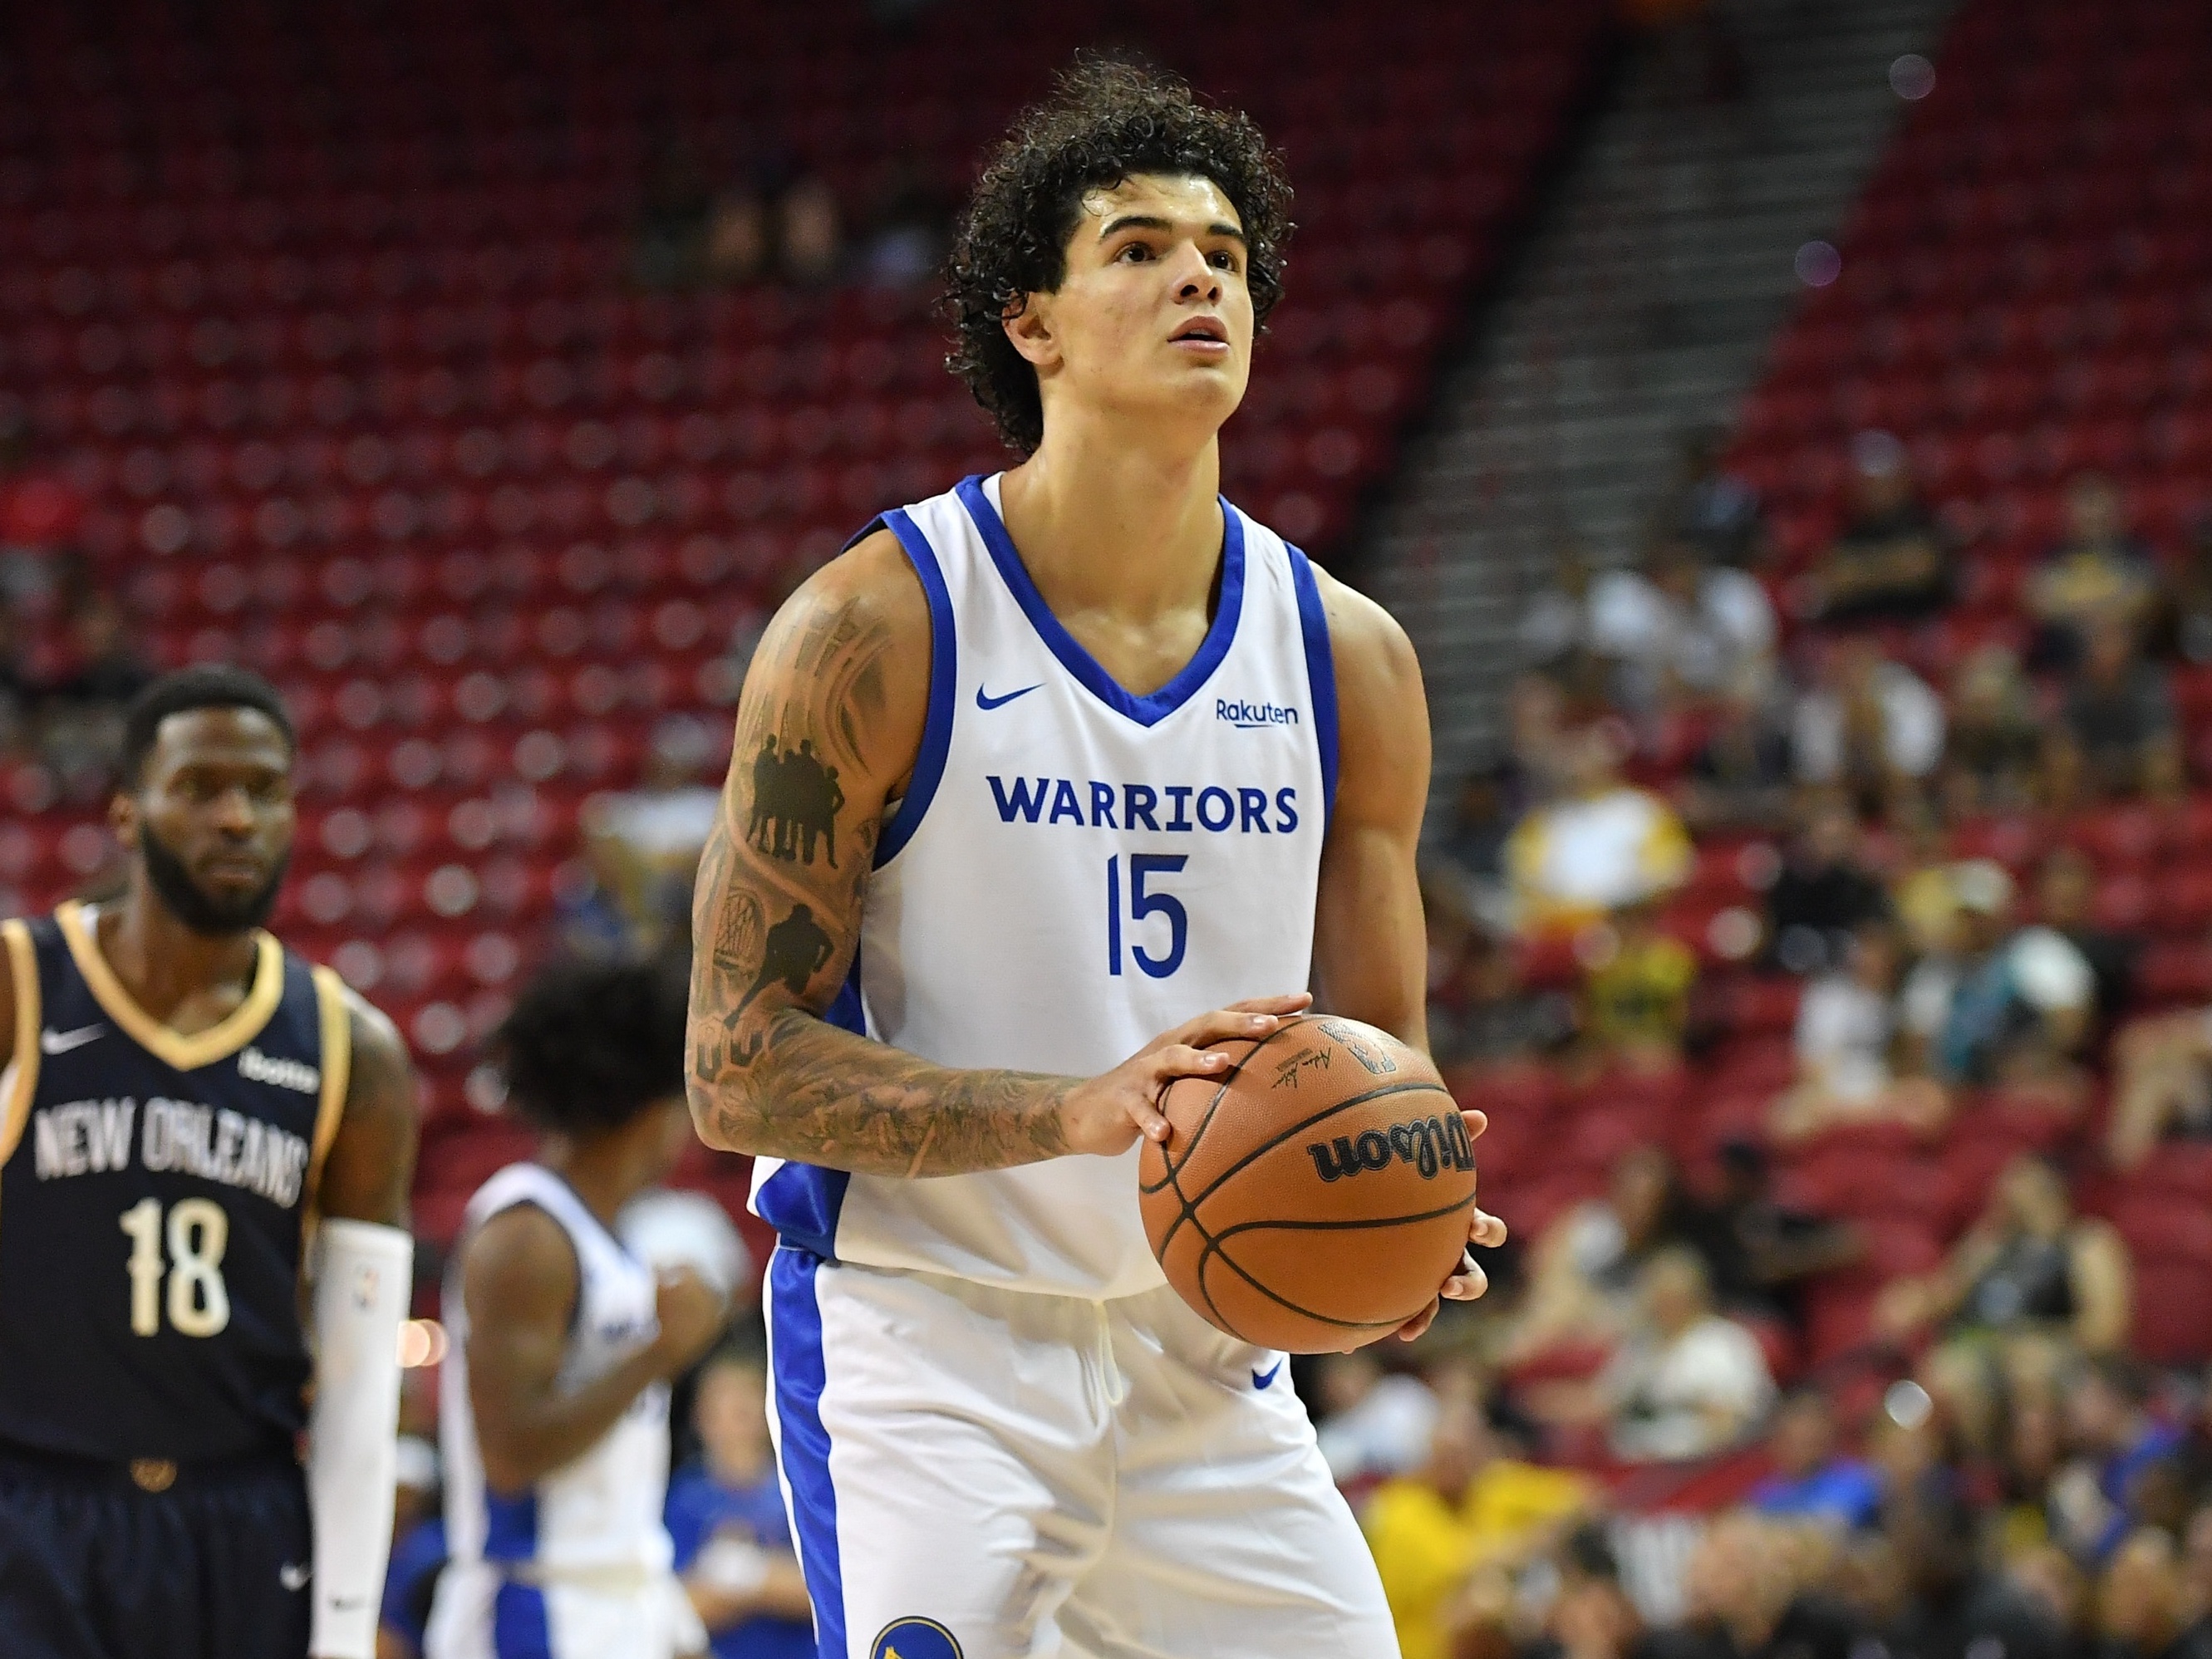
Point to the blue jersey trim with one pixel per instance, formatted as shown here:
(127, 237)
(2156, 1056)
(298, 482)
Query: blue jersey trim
(1321, 670)
(1146, 711)
(802, 1201)
(520, 1628)
(943, 663)
(511, 1523)
(801, 1374)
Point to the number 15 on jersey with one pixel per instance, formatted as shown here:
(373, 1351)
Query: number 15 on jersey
(1145, 901)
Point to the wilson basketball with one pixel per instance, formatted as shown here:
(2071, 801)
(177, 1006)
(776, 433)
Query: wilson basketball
(1316, 1197)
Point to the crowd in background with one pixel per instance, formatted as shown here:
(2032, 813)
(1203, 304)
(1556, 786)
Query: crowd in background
(1619, 1452)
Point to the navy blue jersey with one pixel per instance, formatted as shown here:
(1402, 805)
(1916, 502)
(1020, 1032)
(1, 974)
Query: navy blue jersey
(156, 1194)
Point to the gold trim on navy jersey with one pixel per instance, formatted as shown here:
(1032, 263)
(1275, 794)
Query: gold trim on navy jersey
(337, 1063)
(21, 1079)
(187, 1053)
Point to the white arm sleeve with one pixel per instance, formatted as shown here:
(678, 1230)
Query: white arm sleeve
(364, 1279)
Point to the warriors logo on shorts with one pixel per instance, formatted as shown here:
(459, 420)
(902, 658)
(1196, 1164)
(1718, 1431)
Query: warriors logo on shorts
(915, 1638)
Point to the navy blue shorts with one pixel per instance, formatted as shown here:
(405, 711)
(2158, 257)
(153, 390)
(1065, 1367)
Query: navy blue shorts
(154, 1561)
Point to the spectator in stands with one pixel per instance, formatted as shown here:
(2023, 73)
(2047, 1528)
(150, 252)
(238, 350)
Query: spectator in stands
(2115, 1441)
(727, 1519)
(1892, 562)
(1760, 1250)
(650, 836)
(907, 231)
(1812, 1480)
(1602, 844)
(1741, 776)
(2051, 1582)
(1556, 630)
(2142, 1609)
(1470, 1510)
(2099, 573)
(1685, 633)
(809, 234)
(40, 514)
(1825, 890)
(2118, 734)
(2013, 1008)
(81, 711)
(1582, 1289)
(1847, 1042)
(1471, 854)
(2162, 1086)
(2029, 1283)
(1591, 1617)
(1993, 748)
(2065, 889)
(1376, 1421)
(1635, 993)
(1485, 1016)
(1867, 725)
(737, 238)
(1687, 1382)
(1747, 1597)
(1954, 1605)
(1713, 508)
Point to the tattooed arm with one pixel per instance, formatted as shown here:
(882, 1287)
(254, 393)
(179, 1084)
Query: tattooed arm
(827, 730)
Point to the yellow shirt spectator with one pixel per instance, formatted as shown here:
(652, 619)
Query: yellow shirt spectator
(1641, 998)
(1426, 1548)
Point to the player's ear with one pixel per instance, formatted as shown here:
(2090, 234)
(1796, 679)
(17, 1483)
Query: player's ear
(1030, 329)
(123, 819)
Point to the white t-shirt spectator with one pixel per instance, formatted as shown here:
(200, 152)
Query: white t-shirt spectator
(1690, 1397)
(1843, 1036)
(1386, 1433)
(1912, 728)
(2047, 970)
(1722, 641)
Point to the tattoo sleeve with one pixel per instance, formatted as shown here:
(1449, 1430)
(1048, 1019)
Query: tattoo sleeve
(776, 921)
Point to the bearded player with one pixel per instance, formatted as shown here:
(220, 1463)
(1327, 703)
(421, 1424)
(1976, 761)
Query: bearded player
(189, 1114)
(1115, 760)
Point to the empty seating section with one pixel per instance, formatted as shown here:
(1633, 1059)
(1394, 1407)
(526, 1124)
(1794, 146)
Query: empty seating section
(2025, 292)
(324, 310)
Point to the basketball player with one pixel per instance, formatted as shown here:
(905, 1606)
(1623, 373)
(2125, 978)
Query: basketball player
(188, 1113)
(553, 1408)
(1114, 759)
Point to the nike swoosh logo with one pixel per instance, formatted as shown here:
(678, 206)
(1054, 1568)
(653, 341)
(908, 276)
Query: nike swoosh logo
(60, 1042)
(1260, 1379)
(295, 1576)
(985, 700)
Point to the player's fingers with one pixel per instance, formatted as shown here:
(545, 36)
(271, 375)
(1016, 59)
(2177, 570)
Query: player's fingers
(1469, 1283)
(1476, 1122)
(1488, 1229)
(1222, 1025)
(1418, 1323)
(1293, 1002)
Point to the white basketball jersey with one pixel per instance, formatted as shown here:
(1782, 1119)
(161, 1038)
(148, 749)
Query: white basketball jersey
(602, 1512)
(1073, 871)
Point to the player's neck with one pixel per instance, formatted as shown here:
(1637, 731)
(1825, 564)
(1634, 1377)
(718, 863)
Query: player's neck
(605, 1171)
(1104, 524)
(162, 962)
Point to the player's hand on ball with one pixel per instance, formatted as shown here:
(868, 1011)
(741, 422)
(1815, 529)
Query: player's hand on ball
(692, 1314)
(1469, 1281)
(1106, 1114)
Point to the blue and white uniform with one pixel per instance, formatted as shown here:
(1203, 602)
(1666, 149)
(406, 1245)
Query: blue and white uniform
(1002, 1434)
(577, 1566)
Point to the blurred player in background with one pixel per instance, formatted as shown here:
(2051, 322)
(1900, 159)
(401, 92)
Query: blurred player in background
(1044, 766)
(554, 1409)
(188, 1113)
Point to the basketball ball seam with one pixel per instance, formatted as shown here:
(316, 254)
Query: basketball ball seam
(1217, 1245)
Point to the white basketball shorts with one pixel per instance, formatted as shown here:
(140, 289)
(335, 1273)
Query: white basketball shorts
(480, 1614)
(980, 1473)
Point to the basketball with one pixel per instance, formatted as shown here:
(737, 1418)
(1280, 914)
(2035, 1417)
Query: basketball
(1315, 1197)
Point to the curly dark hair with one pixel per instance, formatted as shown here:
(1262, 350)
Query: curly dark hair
(1105, 121)
(588, 1045)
